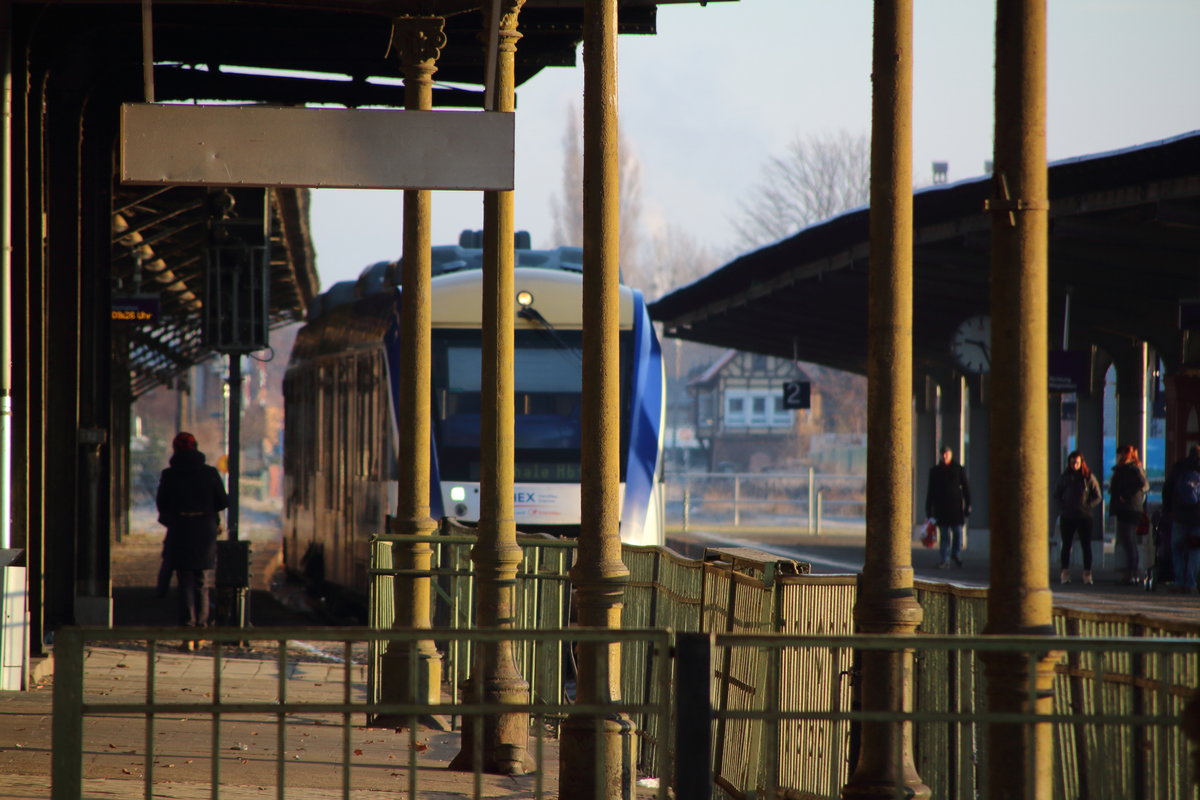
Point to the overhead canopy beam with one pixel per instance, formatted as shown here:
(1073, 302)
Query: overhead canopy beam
(176, 83)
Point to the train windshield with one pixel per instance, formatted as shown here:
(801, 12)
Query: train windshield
(548, 372)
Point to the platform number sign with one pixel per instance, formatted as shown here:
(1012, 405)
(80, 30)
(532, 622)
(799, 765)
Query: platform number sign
(796, 394)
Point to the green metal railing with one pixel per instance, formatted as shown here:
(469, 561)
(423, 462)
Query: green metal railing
(543, 601)
(737, 592)
(291, 715)
(1108, 724)
(1121, 762)
(1096, 708)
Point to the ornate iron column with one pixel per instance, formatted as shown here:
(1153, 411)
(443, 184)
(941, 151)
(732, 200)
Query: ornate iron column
(1020, 757)
(496, 554)
(594, 753)
(417, 41)
(886, 603)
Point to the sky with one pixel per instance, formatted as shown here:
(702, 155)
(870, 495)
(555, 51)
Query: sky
(721, 88)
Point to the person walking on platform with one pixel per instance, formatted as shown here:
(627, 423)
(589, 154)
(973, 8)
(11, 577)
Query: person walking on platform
(948, 504)
(1077, 492)
(190, 496)
(1181, 501)
(1127, 492)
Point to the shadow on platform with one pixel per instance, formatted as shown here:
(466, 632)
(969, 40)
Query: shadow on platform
(136, 606)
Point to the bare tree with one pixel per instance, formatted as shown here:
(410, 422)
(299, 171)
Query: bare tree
(567, 207)
(843, 398)
(670, 258)
(818, 177)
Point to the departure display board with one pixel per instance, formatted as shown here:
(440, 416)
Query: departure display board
(138, 309)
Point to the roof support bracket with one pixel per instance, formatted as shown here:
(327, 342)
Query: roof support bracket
(1004, 204)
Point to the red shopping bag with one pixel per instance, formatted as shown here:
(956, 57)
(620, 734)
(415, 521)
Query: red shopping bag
(929, 533)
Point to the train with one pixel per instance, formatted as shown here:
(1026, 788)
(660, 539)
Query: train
(340, 408)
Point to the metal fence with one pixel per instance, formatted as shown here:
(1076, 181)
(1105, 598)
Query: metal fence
(1112, 737)
(739, 592)
(811, 502)
(295, 707)
(542, 601)
(1132, 680)
(785, 737)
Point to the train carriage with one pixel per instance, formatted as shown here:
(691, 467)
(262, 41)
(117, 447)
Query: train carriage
(341, 408)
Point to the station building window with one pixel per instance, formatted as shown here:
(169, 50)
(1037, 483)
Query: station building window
(756, 408)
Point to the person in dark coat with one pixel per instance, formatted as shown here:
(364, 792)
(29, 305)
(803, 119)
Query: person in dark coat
(1127, 492)
(1077, 492)
(190, 496)
(1179, 496)
(948, 503)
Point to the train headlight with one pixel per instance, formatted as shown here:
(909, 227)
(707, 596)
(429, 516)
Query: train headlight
(458, 494)
(524, 299)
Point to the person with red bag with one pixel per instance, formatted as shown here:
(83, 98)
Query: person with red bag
(948, 502)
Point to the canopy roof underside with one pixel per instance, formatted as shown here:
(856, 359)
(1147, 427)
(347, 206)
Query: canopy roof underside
(1124, 243)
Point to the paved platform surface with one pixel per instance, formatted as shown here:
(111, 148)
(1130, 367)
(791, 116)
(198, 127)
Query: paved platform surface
(114, 762)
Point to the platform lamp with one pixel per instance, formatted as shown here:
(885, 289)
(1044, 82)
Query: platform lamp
(236, 321)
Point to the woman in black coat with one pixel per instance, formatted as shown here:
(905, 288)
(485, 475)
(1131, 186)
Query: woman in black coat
(1077, 493)
(1127, 492)
(190, 495)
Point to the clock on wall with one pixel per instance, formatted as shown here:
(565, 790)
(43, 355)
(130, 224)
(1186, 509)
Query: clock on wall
(972, 344)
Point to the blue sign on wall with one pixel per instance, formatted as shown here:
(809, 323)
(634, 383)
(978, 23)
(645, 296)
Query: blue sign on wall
(1070, 371)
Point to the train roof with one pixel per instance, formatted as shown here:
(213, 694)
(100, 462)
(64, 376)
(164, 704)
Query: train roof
(350, 320)
(445, 259)
(356, 323)
(355, 314)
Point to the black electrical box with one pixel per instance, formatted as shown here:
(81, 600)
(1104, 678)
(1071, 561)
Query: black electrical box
(233, 563)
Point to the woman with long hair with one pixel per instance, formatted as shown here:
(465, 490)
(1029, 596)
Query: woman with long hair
(1077, 493)
(1127, 503)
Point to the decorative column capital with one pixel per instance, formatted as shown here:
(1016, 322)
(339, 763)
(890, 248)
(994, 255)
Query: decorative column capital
(418, 41)
(509, 11)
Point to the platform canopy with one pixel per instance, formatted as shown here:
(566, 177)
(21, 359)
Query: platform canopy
(85, 60)
(1124, 243)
